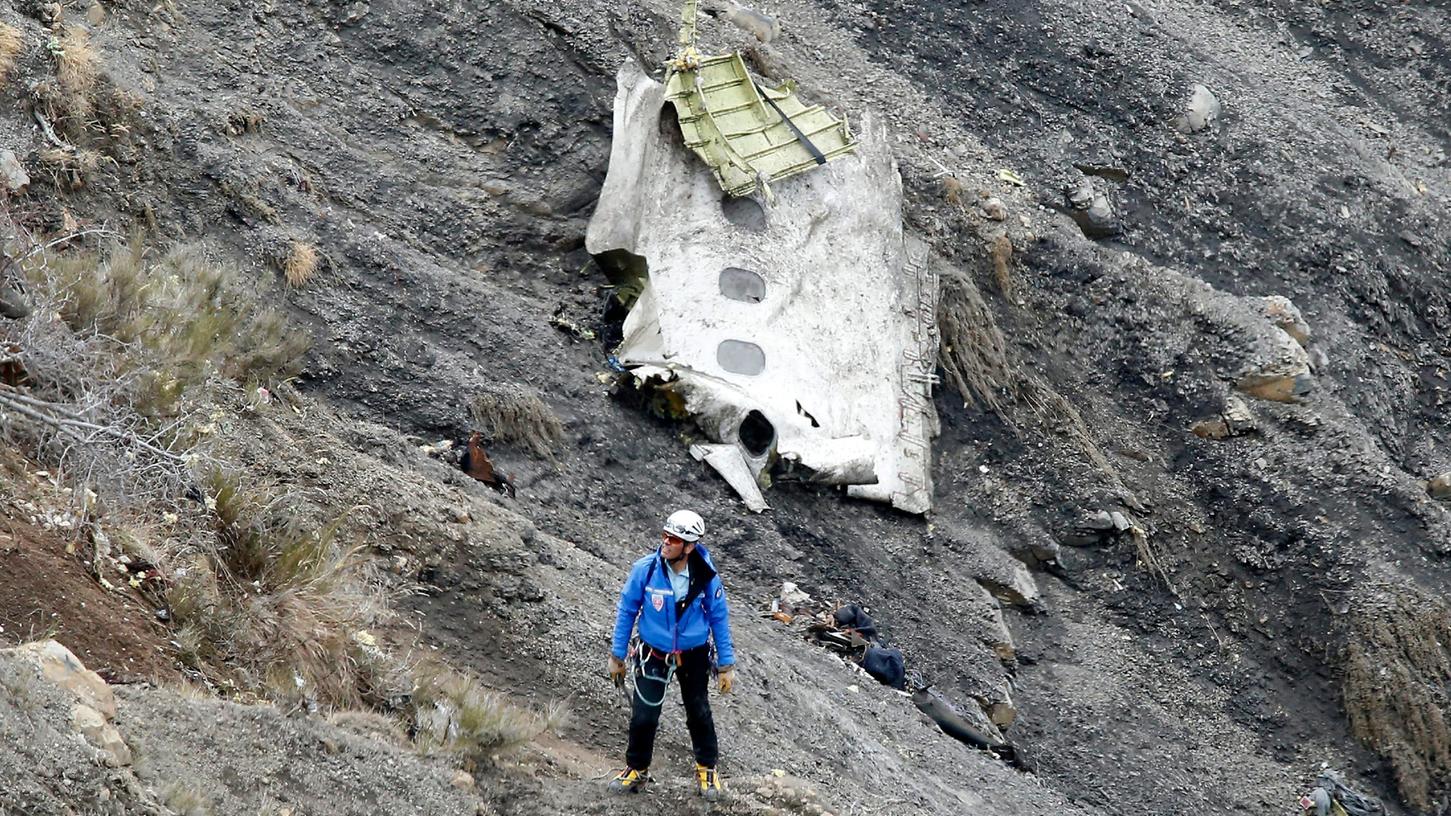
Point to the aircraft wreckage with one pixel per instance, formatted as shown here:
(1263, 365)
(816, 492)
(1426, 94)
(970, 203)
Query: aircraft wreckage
(776, 297)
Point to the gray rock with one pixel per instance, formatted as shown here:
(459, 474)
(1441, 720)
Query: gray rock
(1101, 520)
(1091, 209)
(12, 173)
(1201, 111)
(1284, 313)
(12, 303)
(759, 25)
(1440, 487)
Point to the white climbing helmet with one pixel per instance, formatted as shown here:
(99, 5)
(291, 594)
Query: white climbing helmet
(685, 524)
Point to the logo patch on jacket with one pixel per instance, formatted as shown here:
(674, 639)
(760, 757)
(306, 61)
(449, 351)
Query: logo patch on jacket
(719, 591)
(657, 601)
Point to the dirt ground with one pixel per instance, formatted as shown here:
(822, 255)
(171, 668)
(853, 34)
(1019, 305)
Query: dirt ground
(444, 160)
(49, 594)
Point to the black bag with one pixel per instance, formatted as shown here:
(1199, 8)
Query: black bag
(886, 666)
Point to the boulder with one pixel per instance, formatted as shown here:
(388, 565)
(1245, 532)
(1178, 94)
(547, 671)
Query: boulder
(59, 666)
(763, 27)
(1200, 111)
(1440, 487)
(12, 173)
(1002, 712)
(1284, 313)
(463, 780)
(1235, 419)
(102, 735)
(1277, 369)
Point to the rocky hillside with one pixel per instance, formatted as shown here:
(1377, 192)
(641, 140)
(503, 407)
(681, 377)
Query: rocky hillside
(1189, 541)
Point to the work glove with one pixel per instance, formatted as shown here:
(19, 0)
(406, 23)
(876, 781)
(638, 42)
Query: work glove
(727, 679)
(617, 671)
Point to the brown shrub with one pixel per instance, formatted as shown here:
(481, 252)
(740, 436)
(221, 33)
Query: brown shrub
(1397, 667)
(279, 607)
(70, 166)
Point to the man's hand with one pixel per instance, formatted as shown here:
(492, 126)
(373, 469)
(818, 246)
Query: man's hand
(617, 671)
(727, 679)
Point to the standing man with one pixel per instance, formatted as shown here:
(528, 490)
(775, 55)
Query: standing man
(678, 599)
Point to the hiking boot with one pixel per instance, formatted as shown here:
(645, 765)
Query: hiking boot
(629, 781)
(708, 781)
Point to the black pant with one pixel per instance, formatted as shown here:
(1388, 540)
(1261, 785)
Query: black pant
(694, 676)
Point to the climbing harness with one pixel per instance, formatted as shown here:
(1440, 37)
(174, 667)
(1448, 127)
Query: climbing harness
(640, 656)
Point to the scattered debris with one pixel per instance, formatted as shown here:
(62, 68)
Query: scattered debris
(564, 324)
(1114, 173)
(1011, 178)
(885, 665)
(993, 209)
(732, 465)
(476, 463)
(1333, 797)
(952, 722)
(1201, 111)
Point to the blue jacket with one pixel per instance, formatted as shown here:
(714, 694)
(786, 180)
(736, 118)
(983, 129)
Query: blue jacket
(673, 624)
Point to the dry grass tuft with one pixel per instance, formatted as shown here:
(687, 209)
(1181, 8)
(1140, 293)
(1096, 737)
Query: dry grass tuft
(371, 724)
(11, 44)
(275, 605)
(974, 352)
(185, 799)
(78, 68)
(512, 413)
(952, 190)
(454, 714)
(1398, 665)
(176, 320)
(70, 166)
(1002, 257)
(300, 264)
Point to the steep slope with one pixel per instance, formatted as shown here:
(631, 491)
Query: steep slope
(444, 160)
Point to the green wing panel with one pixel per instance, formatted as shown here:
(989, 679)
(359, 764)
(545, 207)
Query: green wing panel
(738, 133)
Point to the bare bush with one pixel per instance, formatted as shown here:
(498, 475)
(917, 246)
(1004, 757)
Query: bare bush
(112, 347)
(512, 413)
(974, 352)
